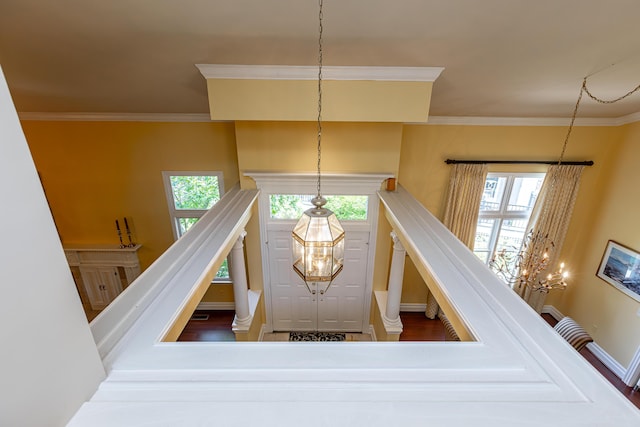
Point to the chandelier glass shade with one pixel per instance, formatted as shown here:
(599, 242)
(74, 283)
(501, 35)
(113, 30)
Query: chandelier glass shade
(318, 245)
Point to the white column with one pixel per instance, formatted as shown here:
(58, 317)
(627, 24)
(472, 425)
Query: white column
(239, 278)
(391, 315)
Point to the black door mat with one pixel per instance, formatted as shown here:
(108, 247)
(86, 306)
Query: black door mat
(316, 336)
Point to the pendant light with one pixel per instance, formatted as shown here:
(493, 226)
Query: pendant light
(318, 237)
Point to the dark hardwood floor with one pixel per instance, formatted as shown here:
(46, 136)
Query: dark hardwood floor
(217, 327)
(416, 327)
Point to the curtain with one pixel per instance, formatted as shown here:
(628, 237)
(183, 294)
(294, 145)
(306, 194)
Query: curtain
(552, 213)
(466, 186)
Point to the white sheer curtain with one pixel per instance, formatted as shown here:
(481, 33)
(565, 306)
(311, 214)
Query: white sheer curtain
(466, 186)
(551, 215)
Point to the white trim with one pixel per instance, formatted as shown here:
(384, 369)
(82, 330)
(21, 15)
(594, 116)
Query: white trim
(629, 118)
(549, 309)
(632, 375)
(513, 367)
(413, 307)
(296, 72)
(433, 120)
(306, 183)
(600, 353)
(116, 117)
(606, 359)
(175, 213)
(529, 121)
(216, 306)
(174, 274)
(391, 326)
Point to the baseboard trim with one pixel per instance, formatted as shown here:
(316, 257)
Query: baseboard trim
(608, 361)
(593, 347)
(413, 307)
(216, 306)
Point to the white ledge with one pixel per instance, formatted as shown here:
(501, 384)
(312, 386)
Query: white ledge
(519, 372)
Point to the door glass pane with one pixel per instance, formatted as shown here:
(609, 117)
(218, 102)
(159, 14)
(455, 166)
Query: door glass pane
(492, 196)
(195, 192)
(524, 193)
(291, 206)
(482, 244)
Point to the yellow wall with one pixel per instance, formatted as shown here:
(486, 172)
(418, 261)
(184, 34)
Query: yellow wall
(609, 315)
(425, 175)
(292, 147)
(296, 100)
(219, 292)
(95, 172)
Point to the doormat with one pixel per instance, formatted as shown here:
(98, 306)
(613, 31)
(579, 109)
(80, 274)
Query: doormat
(316, 336)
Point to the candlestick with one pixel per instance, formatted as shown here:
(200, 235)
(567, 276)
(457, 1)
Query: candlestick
(126, 225)
(119, 234)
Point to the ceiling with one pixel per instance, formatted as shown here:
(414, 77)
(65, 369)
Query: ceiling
(502, 58)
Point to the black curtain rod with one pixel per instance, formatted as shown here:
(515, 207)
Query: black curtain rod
(518, 162)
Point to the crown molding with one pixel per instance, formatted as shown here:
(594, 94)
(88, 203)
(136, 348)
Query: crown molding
(529, 121)
(630, 118)
(295, 72)
(433, 120)
(116, 117)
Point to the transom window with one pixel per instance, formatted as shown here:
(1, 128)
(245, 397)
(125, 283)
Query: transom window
(506, 206)
(291, 206)
(190, 194)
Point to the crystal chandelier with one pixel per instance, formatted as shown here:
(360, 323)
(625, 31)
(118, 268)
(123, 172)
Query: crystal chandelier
(318, 237)
(526, 269)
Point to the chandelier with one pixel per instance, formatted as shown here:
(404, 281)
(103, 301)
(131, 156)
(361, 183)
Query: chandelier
(527, 268)
(318, 237)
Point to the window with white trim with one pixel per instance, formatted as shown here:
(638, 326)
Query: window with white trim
(506, 206)
(190, 194)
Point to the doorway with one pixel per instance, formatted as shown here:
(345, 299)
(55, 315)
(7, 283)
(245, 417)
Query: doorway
(346, 305)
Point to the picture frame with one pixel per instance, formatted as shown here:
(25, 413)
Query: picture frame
(620, 267)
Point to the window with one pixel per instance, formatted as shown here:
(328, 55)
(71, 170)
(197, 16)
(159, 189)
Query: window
(506, 206)
(291, 206)
(190, 194)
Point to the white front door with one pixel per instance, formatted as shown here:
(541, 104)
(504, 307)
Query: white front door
(341, 308)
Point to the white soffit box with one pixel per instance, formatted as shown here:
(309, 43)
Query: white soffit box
(289, 93)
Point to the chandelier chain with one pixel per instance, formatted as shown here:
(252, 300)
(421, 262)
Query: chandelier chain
(584, 90)
(319, 91)
(608, 101)
(573, 119)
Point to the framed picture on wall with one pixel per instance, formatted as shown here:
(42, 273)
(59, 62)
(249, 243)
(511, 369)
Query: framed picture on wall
(620, 266)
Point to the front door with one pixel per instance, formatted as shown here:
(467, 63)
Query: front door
(340, 309)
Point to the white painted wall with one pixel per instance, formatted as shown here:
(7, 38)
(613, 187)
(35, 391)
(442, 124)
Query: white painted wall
(49, 364)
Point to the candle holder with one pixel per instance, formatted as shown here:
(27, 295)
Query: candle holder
(126, 226)
(526, 268)
(122, 245)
